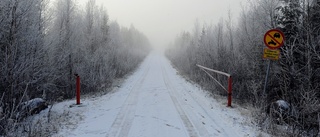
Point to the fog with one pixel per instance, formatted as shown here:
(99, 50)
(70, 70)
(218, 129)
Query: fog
(162, 20)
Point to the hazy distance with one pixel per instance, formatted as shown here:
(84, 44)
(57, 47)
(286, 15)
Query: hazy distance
(162, 20)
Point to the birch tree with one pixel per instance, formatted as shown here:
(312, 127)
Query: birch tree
(22, 53)
(42, 45)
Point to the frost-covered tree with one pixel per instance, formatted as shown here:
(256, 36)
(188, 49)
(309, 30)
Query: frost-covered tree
(293, 60)
(294, 78)
(61, 41)
(289, 17)
(42, 46)
(22, 54)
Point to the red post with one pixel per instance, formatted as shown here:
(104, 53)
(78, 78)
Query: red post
(78, 89)
(229, 91)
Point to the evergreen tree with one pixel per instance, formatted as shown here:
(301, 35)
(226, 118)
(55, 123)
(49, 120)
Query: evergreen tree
(289, 20)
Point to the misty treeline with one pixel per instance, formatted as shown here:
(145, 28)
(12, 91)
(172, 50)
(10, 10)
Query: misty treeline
(43, 43)
(237, 49)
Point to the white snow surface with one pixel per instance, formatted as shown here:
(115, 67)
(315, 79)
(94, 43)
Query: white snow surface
(154, 102)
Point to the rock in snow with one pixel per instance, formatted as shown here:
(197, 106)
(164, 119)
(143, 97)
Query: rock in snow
(31, 107)
(283, 105)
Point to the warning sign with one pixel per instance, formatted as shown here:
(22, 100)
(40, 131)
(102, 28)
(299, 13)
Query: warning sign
(274, 39)
(271, 54)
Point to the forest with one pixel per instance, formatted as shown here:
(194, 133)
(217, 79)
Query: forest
(237, 48)
(44, 43)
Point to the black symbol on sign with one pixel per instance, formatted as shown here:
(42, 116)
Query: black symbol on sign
(276, 35)
(272, 42)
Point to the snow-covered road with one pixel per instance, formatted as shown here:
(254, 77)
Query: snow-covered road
(157, 102)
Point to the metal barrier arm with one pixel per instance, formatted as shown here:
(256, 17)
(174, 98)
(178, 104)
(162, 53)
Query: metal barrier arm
(205, 69)
(214, 79)
(209, 69)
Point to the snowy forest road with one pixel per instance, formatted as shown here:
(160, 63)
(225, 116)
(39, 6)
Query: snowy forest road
(156, 102)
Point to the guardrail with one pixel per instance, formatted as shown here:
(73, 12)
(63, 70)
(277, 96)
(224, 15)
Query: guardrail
(205, 69)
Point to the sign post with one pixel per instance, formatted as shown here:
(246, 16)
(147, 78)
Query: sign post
(273, 39)
(266, 79)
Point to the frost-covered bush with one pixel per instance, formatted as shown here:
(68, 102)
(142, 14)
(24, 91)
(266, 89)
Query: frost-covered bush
(237, 49)
(44, 43)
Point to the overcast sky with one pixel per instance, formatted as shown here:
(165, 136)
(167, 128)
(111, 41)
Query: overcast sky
(162, 20)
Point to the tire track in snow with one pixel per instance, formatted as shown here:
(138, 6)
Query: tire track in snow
(186, 121)
(220, 130)
(122, 124)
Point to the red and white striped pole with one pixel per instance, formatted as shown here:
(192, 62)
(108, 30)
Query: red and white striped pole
(229, 91)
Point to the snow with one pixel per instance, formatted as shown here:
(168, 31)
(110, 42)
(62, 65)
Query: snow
(33, 103)
(153, 102)
(283, 105)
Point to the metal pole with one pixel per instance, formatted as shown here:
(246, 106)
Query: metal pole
(229, 91)
(266, 79)
(78, 90)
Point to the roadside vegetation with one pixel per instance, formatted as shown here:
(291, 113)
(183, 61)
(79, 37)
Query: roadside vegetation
(290, 106)
(43, 43)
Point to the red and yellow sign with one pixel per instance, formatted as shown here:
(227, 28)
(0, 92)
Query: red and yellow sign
(271, 54)
(274, 39)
